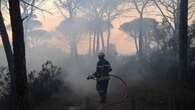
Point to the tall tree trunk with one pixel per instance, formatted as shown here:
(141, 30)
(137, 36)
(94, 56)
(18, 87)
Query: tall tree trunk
(70, 10)
(109, 33)
(9, 56)
(98, 42)
(136, 45)
(90, 43)
(183, 39)
(176, 28)
(94, 39)
(6, 44)
(102, 40)
(29, 15)
(75, 50)
(134, 35)
(140, 35)
(19, 56)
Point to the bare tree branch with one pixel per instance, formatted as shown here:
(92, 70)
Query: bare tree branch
(59, 9)
(191, 15)
(36, 7)
(164, 16)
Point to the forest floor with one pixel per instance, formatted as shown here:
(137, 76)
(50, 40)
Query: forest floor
(148, 96)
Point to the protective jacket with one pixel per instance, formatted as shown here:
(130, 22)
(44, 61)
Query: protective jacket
(102, 70)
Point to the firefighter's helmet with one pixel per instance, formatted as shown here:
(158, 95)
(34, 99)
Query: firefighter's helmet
(101, 54)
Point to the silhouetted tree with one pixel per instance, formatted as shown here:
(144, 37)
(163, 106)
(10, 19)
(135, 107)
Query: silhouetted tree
(170, 12)
(112, 11)
(151, 32)
(9, 55)
(103, 12)
(72, 8)
(97, 26)
(36, 36)
(140, 6)
(183, 39)
(72, 29)
(96, 12)
(5, 41)
(19, 56)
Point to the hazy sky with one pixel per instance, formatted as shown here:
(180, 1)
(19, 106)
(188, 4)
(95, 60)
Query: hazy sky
(124, 44)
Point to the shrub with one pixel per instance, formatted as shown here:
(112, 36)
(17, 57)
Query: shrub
(4, 87)
(45, 83)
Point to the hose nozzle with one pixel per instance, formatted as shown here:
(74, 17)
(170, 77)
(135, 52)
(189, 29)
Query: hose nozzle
(90, 77)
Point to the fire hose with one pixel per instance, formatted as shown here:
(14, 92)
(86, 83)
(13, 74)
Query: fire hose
(124, 97)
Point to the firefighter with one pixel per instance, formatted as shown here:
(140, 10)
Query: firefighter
(102, 76)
